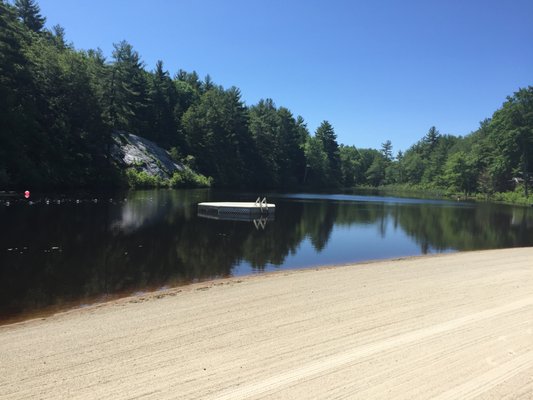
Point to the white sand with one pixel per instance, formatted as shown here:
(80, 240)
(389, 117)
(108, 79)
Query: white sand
(455, 326)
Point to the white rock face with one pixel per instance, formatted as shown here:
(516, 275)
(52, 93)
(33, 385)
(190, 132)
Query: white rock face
(143, 154)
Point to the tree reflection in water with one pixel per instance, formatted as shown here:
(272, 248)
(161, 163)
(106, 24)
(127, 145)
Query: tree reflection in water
(80, 252)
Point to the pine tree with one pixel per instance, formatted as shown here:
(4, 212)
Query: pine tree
(216, 132)
(317, 168)
(430, 140)
(291, 158)
(16, 100)
(327, 136)
(386, 150)
(263, 126)
(29, 13)
(162, 98)
(58, 36)
(127, 91)
(207, 83)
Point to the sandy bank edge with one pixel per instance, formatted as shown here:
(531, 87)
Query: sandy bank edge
(209, 283)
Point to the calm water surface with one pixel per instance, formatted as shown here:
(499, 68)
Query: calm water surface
(62, 252)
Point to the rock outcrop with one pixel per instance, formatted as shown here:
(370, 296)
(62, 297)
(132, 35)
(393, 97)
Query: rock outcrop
(144, 155)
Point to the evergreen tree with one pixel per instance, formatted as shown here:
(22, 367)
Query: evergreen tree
(192, 79)
(327, 136)
(437, 158)
(264, 125)
(17, 115)
(162, 98)
(303, 132)
(186, 96)
(317, 163)
(217, 135)
(127, 91)
(431, 139)
(73, 136)
(291, 157)
(207, 84)
(400, 159)
(58, 36)
(386, 150)
(29, 13)
(59, 107)
(426, 147)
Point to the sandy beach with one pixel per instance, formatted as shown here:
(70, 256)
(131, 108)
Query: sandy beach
(457, 326)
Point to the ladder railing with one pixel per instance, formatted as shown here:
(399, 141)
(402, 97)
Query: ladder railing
(262, 204)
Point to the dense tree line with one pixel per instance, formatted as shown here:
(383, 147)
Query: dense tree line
(494, 158)
(59, 107)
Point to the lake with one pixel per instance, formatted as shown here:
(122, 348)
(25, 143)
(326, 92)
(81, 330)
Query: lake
(66, 251)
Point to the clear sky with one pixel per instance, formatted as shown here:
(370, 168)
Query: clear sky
(376, 70)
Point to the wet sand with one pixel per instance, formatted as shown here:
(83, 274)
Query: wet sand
(457, 326)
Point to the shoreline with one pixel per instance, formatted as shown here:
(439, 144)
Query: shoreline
(501, 198)
(456, 325)
(150, 293)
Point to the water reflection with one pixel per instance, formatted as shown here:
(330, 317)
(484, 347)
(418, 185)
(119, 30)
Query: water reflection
(77, 252)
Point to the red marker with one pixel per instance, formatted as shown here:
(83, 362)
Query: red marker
(27, 194)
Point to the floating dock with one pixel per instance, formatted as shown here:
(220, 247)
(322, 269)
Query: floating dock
(238, 210)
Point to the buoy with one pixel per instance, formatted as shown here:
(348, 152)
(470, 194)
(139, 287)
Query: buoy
(27, 194)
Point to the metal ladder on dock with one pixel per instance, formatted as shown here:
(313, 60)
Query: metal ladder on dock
(262, 204)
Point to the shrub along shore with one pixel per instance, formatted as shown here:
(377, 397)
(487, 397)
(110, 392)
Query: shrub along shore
(516, 196)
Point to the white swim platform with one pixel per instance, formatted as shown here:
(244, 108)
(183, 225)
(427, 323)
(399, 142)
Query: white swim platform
(237, 208)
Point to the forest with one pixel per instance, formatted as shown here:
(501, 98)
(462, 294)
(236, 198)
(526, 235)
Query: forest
(59, 107)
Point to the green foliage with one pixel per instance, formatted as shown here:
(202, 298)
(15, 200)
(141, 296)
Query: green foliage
(410, 190)
(16, 104)
(413, 167)
(175, 154)
(430, 141)
(263, 126)
(375, 174)
(350, 166)
(142, 180)
(516, 196)
(291, 156)
(29, 13)
(386, 150)
(217, 136)
(185, 178)
(317, 169)
(460, 174)
(162, 100)
(327, 136)
(278, 140)
(127, 91)
(188, 179)
(60, 106)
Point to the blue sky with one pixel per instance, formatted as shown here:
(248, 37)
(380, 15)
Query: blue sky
(377, 70)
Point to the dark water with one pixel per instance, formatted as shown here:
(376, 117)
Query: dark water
(83, 250)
